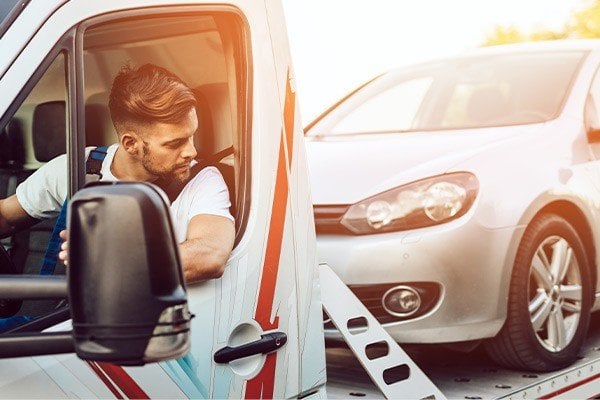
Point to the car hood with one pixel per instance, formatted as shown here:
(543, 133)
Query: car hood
(347, 169)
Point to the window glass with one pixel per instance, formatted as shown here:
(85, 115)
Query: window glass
(482, 91)
(391, 110)
(6, 8)
(203, 50)
(594, 99)
(34, 135)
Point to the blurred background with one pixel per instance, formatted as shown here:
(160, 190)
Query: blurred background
(337, 45)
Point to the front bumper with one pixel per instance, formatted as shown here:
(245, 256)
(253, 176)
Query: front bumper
(470, 263)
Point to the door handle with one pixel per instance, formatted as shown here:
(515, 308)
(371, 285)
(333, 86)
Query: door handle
(267, 343)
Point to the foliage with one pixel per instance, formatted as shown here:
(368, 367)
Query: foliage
(586, 22)
(583, 23)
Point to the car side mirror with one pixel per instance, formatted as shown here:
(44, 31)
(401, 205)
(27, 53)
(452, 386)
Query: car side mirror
(126, 288)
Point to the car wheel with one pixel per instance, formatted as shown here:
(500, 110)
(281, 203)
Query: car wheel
(549, 299)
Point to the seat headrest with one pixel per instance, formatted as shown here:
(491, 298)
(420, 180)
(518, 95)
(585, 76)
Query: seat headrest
(204, 138)
(214, 118)
(49, 130)
(99, 130)
(12, 148)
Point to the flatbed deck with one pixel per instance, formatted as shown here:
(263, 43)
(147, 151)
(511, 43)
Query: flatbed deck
(473, 375)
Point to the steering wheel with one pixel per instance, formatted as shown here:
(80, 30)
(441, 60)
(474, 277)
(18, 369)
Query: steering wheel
(8, 308)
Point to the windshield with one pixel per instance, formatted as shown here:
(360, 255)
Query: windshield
(483, 91)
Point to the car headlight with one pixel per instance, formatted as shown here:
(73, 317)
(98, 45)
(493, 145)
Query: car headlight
(427, 202)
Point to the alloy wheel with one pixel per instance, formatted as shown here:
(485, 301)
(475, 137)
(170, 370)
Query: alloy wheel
(555, 293)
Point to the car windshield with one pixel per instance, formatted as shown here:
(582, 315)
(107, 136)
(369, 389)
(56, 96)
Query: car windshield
(474, 92)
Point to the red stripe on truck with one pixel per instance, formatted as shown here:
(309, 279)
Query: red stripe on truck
(571, 387)
(114, 375)
(289, 108)
(123, 381)
(262, 385)
(105, 379)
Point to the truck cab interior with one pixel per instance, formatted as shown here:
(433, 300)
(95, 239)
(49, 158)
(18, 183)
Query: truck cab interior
(206, 50)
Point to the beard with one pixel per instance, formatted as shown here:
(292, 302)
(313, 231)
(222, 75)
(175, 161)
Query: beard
(177, 173)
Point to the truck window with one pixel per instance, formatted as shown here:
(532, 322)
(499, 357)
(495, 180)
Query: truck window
(9, 10)
(34, 135)
(205, 51)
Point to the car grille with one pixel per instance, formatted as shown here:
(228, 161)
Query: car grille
(327, 219)
(371, 295)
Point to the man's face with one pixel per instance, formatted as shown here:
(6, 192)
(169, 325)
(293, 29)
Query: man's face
(168, 149)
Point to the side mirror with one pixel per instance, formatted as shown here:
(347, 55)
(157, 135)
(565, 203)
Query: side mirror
(126, 290)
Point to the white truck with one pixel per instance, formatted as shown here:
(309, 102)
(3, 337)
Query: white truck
(120, 325)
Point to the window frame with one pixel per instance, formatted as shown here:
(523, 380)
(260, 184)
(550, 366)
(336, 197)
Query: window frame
(64, 45)
(12, 15)
(589, 99)
(244, 82)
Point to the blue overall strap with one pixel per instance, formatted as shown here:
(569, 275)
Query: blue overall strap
(51, 256)
(93, 166)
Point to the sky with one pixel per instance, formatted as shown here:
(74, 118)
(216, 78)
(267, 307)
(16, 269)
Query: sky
(337, 45)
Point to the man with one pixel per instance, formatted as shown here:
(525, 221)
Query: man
(154, 115)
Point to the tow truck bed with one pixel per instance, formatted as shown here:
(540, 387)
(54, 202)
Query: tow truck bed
(473, 376)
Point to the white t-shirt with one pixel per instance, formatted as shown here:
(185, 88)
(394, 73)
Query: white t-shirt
(44, 192)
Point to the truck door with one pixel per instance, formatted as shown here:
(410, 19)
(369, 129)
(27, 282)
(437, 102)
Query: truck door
(224, 54)
(311, 355)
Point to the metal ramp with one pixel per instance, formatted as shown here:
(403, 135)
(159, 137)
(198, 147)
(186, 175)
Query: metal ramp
(390, 368)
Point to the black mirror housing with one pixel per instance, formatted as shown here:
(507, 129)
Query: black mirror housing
(126, 290)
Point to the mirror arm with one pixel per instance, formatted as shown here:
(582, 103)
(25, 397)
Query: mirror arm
(25, 345)
(21, 287)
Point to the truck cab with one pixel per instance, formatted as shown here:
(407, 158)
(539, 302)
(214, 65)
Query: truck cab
(58, 61)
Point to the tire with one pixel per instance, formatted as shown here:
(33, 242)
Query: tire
(556, 300)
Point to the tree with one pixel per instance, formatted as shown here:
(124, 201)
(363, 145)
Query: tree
(584, 23)
(504, 35)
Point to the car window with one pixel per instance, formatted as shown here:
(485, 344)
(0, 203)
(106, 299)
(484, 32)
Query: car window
(472, 92)
(206, 51)
(594, 101)
(391, 110)
(507, 90)
(34, 135)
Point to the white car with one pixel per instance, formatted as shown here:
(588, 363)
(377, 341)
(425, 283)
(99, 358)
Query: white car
(460, 199)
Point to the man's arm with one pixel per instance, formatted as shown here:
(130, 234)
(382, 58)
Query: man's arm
(13, 217)
(207, 247)
(203, 254)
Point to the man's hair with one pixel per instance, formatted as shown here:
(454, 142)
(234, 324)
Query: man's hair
(148, 95)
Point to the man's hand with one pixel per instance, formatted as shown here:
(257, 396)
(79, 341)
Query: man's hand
(207, 247)
(64, 248)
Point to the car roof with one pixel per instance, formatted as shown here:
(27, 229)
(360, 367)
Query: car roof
(550, 45)
(583, 45)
